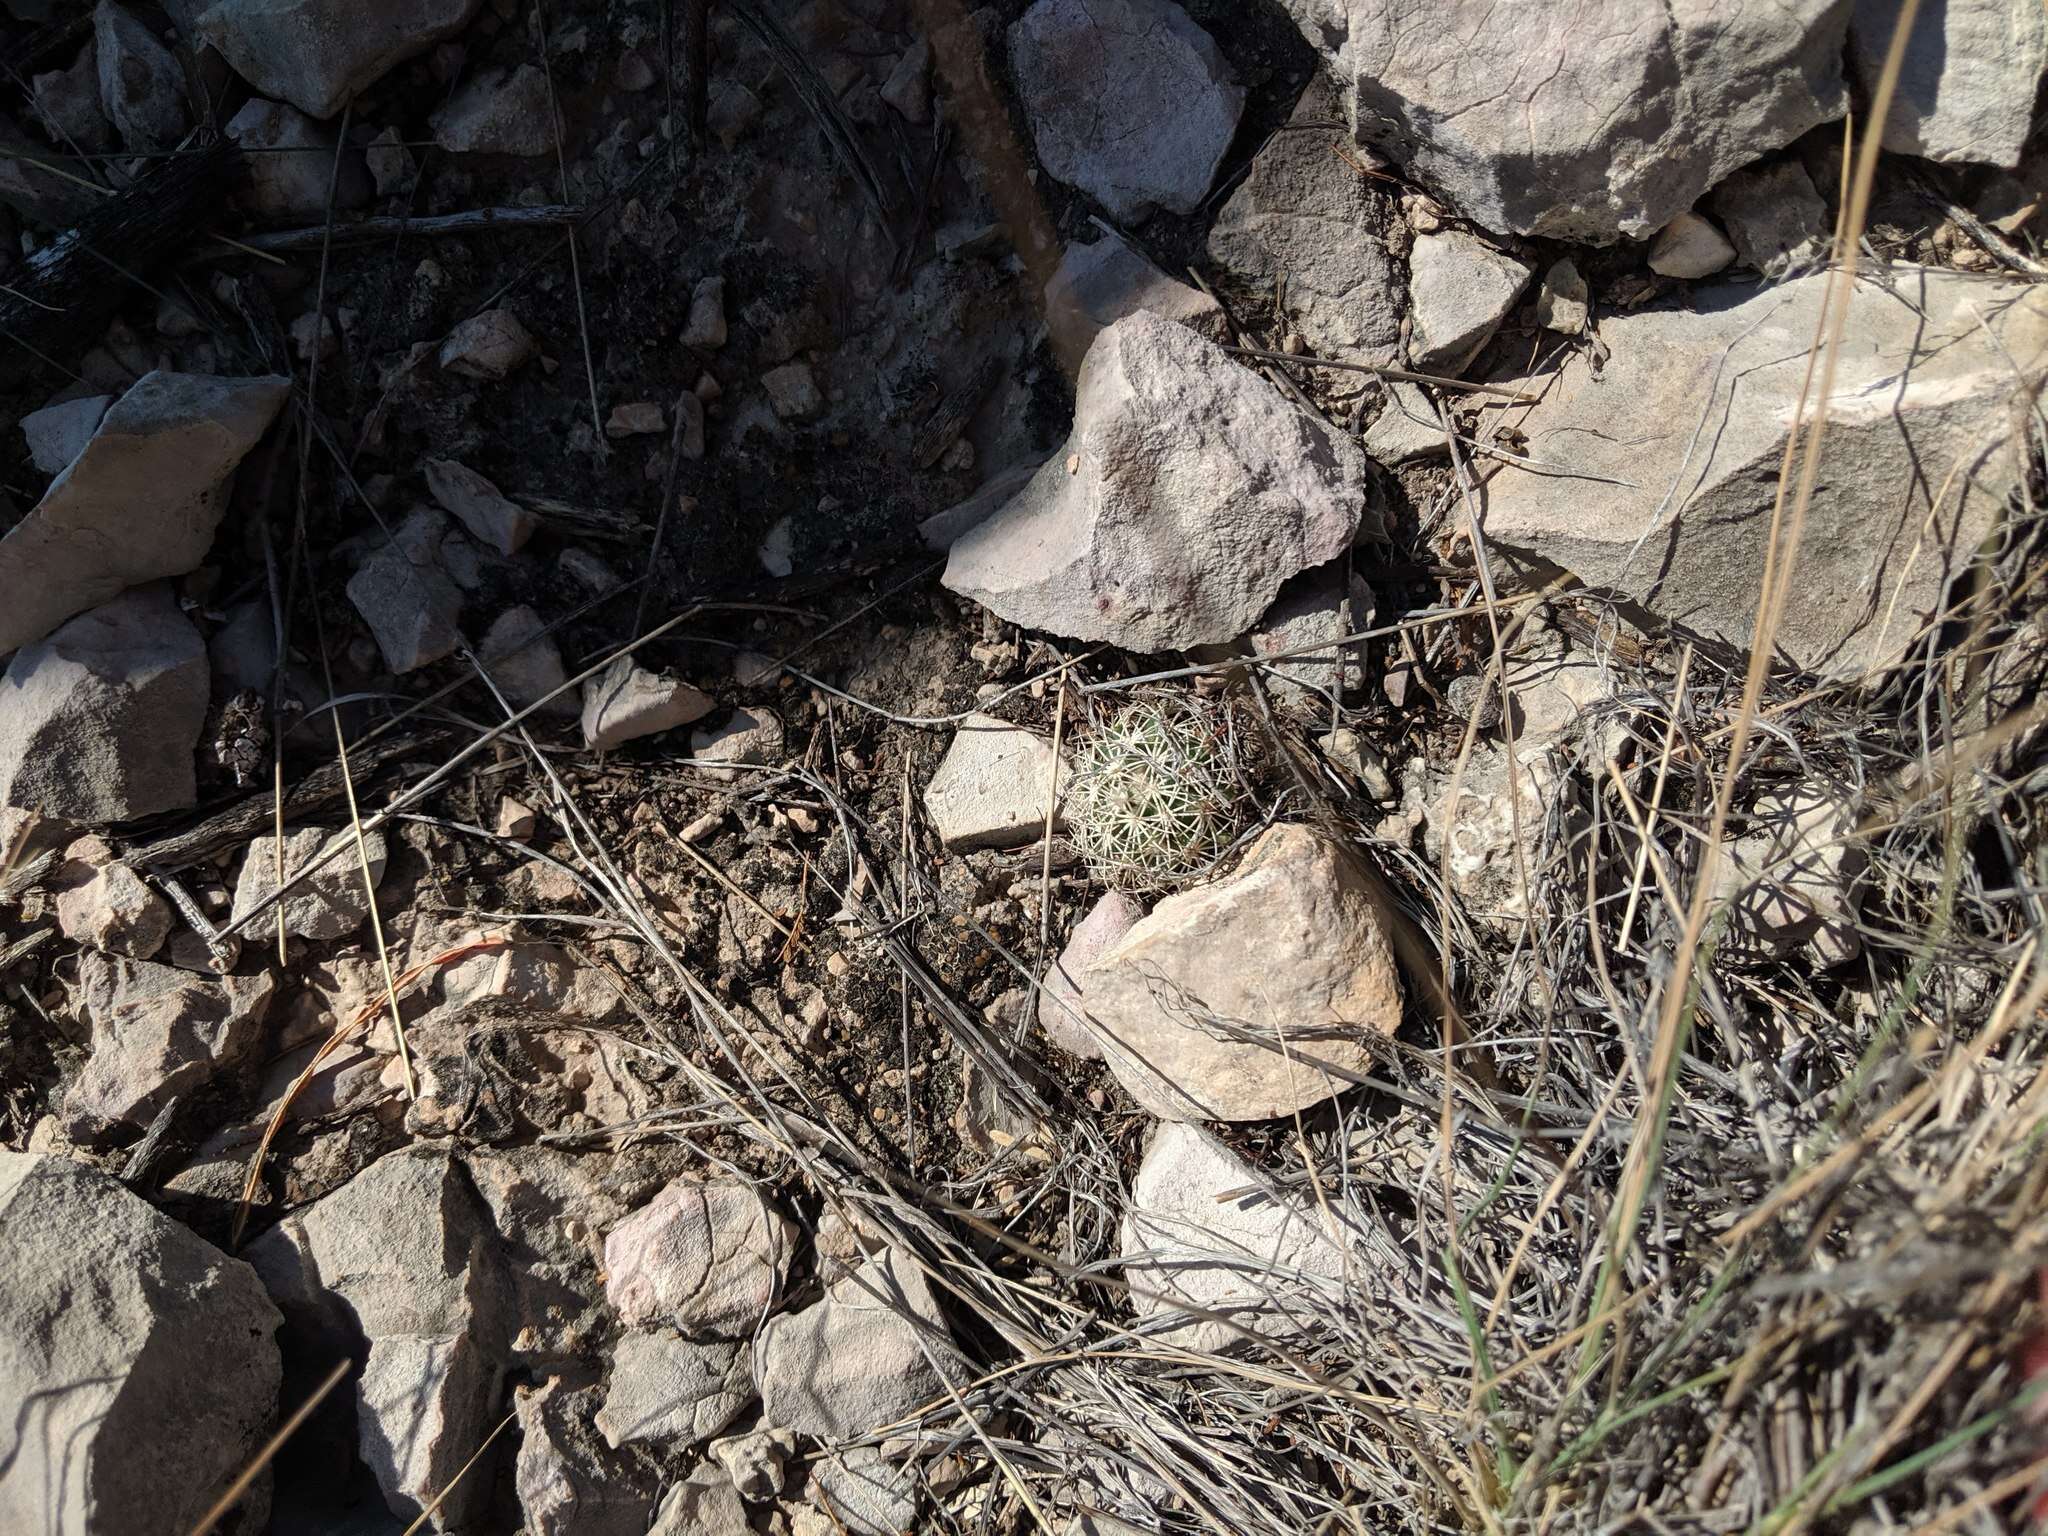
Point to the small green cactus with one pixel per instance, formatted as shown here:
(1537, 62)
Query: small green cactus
(1156, 798)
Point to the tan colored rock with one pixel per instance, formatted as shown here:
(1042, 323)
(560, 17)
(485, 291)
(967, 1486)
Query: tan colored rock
(1690, 246)
(1060, 1004)
(1255, 996)
(705, 1256)
(104, 904)
(626, 701)
(993, 786)
(480, 506)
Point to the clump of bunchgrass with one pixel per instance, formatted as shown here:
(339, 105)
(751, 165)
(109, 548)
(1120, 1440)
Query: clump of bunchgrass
(1156, 797)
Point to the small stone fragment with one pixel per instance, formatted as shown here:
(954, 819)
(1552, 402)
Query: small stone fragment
(793, 391)
(99, 722)
(487, 346)
(1318, 608)
(58, 433)
(1774, 217)
(638, 419)
(524, 661)
(390, 163)
(908, 88)
(754, 1461)
(1128, 100)
(993, 788)
(498, 112)
(330, 903)
(752, 737)
(289, 164)
(777, 553)
(68, 103)
(705, 1256)
(626, 701)
(516, 819)
(1094, 936)
(1690, 247)
(1459, 289)
(480, 506)
(1562, 303)
(705, 328)
(702, 1504)
(104, 904)
(410, 605)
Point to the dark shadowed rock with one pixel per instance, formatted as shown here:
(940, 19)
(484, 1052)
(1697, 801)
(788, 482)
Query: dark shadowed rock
(317, 54)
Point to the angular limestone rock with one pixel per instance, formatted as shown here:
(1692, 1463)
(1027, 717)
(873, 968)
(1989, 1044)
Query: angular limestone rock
(993, 787)
(671, 1392)
(1261, 994)
(317, 54)
(330, 903)
(706, 1257)
(1097, 285)
(140, 501)
(626, 701)
(1459, 290)
(1189, 490)
(1971, 79)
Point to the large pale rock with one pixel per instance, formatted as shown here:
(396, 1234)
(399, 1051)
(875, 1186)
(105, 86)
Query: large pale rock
(1256, 996)
(316, 54)
(142, 500)
(1971, 79)
(99, 722)
(398, 1268)
(1303, 212)
(138, 1362)
(993, 787)
(1204, 1232)
(142, 89)
(870, 1351)
(1195, 489)
(1128, 100)
(707, 1257)
(1579, 119)
(1689, 417)
(1459, 290)
(156, 1033)
(1097, 285)
(330, 903)
(671, 1392)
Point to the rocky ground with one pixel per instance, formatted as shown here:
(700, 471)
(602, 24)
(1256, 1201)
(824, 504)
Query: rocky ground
(1122, 766)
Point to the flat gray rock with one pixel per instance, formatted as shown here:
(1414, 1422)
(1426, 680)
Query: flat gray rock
(58, 433)
(99, 722)
(1188, 491)
(1774, 218)
(138, 1362)
(993, 787)
(525, 662)
(1459, 290)
(141, 500)
(860, 1358)
(498, 112)
(1971, 79)
(672, 1393)
(1304, 211)
(330, 903)
(1204, 1232)
(1675, 451)
(412, 608)
(318, 54)
(1128, 100)
(1098, 284)
(569, 1482)
(626, 701)
(1254, 996)
(1573, 119)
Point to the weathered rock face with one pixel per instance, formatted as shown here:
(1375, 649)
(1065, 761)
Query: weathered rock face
(480, 506)
(1791, 881)
(1691, 413)
(397, 1266)
(103, 903)
(156, 1031)
(499, 112)
(410, 605)
(525, 662)
(138, 1362)
(994, 786)
(330, 903)
(1097, 285)
(1253, 997)
(626, 701)
(58, 433)
(1202, 1231)
(1460, 289)
(1062, 1002)
(1775, 219)
(1302, 211)
(1971, 78)
(141, 501)
(569, 1483)
(99, 722)
(671, 1392)
(1572, 118)
(859, 1358)
(707, 1257)
(1194, 490)
(316, 54)
(142, 89)
(1128, 100)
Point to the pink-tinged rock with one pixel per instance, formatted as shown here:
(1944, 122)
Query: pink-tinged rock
(1059, 1004)
(706, 1257)
(1188, 491)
